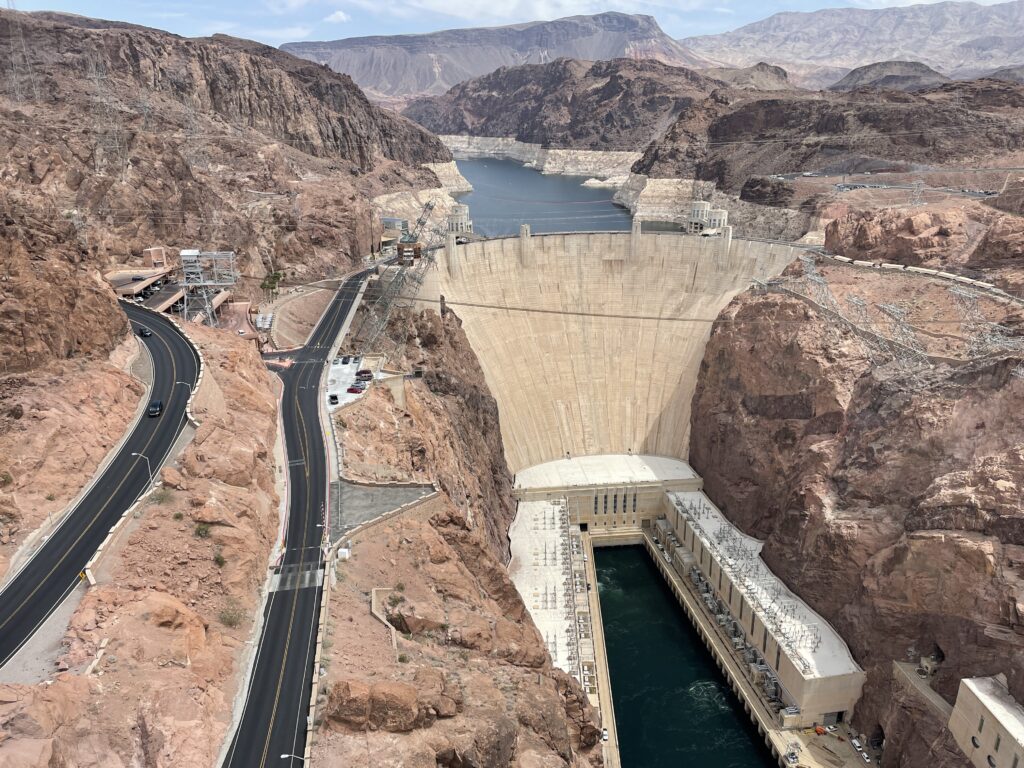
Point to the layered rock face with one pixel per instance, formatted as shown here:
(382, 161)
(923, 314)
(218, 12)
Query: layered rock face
(53, 303)
(470, 681)
(115, 138)
(968, 239)
(841, 133)
(618, 105)
(449, 434)
(394, 68)
(176, 596)
(888, 500)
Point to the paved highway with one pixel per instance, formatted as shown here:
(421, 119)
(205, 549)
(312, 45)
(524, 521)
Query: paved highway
(273, 722)
(47, 579)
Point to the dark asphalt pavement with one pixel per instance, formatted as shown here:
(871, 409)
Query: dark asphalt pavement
(36, 591)
(277, 702)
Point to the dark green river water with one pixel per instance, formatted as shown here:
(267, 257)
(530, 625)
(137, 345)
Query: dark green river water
(672, 706)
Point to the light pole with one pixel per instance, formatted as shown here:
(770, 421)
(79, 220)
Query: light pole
(292, 757)
(148, 466)
(185, 383)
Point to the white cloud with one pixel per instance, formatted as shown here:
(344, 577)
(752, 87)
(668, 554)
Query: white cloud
(338, 17)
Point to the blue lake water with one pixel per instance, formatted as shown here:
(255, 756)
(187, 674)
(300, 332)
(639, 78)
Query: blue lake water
(673, 708)
(506, 194)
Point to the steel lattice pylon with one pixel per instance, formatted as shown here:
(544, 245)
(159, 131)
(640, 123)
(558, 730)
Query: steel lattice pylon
(203, 276)
(983, 337)
(908, 349)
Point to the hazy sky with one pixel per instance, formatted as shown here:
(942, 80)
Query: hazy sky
(278, 21)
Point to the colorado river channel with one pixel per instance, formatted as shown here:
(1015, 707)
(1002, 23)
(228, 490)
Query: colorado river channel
(672, 707)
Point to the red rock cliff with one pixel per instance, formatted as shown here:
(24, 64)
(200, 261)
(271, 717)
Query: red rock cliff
(891, 504)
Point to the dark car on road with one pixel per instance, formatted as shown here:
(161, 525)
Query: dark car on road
(155, 408)
(144, 331)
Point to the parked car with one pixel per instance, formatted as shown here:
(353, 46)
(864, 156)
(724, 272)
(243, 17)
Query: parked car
(604, 734)
(865, 756)
(137, 278)
(332, 399)
(856, 744)
(354, 390)
(155, 408)
(144, 331)
(346, 359)
(360, 385)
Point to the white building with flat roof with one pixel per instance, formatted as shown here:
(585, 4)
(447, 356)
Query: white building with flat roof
(988, 723)
(800, 661)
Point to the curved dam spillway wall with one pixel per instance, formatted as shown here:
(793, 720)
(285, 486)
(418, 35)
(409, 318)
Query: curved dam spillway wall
(591, 342)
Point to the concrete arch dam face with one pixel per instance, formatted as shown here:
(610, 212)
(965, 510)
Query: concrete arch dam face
(591, 343)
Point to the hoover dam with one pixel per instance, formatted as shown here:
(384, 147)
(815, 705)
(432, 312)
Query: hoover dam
(591, 342)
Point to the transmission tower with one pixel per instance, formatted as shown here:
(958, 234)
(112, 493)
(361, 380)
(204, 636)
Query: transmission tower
(19, 50)
(983, 337)
(821, 294)
(915, 197)
(875, 343)
(111, 147)
(203, 276)
(907, 349)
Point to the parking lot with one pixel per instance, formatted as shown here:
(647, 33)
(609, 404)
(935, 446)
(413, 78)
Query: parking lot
(341, 378)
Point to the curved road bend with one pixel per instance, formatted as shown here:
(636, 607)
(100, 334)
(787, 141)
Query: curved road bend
(43, 584)
(273, 721)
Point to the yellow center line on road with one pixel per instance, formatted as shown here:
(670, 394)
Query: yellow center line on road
(296, 591)
(102, 509)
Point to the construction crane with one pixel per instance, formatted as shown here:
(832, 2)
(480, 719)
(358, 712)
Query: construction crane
(409, 246)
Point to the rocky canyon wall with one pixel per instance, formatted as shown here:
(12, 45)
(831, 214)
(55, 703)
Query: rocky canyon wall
(151, 659)
(127, 137)
(469, 681)
(889, 500)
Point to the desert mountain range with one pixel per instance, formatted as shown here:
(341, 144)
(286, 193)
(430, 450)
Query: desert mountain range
(403, 65)
(958, 39)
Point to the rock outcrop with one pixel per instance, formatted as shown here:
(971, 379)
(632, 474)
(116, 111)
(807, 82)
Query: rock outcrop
(892, 76)
(470, 681)
(448, 433)
(164, 630)
(126, 137)
(971, 240)
(758, 77)
(841, 133)
(888, 500)
(618, 105)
